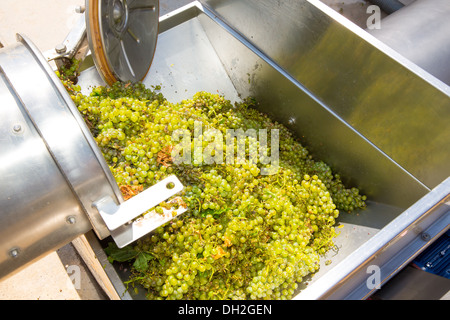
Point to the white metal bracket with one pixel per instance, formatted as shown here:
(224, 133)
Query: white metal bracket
(121, 219)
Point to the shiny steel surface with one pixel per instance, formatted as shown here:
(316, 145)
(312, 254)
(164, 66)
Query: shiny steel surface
(68, 138)
(391, 249)
(216, 58)
(52, 170)
(320, 128)
(314, 112)
(116, 215)
(420, 32)
(130, 232)
(123, 36)
(119, 218)
(54, 178)
(180, 73)
(36, 201)
(389, 100)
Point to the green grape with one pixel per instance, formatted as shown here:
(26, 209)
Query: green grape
(245, 235)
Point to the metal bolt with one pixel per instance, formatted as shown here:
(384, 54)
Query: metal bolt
(80, 9)
(17, 128)
(71, 220)
(425, 236)
(118, 12)
(14, 252)
(60, 48)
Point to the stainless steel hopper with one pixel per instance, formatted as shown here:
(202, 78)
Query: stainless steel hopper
(373, 115)
(377, 118)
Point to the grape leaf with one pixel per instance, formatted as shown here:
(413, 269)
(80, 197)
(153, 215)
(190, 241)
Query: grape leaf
(120, 254)
(141, 263)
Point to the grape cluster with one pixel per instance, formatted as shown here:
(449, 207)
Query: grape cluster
(245, 235)
(68, 72)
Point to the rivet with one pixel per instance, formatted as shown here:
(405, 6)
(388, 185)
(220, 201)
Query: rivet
(17, 128)
(14, 252)
(425, 236)
(71, 220)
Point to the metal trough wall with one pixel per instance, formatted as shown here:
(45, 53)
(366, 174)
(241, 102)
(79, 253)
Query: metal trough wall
(396, 105)
(197, 51)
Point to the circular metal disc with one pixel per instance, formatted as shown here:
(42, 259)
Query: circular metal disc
(122, 36)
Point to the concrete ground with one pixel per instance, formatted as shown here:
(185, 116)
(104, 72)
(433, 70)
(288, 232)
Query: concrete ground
(46, 23)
